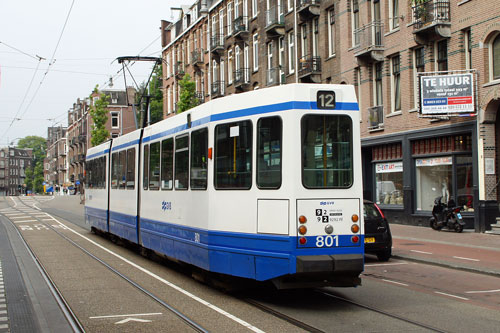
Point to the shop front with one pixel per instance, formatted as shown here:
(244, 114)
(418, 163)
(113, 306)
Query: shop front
(405, 173)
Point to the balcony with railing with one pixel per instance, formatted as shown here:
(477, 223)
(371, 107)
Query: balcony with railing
(370, 42)
(274, 76)
(431, 20)
(217, 43)
(376, 118)
(310, 69)
(308, 8)
(200, 96)
(197, 57)
(241, 78)
(275, 22)
(179, 69)
(240, 27)
(217, 89)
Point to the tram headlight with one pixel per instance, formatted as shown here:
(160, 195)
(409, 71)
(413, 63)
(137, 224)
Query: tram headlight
(355, 218)
(355, 228)
(302, 230)
(302, 219)
(328, 229)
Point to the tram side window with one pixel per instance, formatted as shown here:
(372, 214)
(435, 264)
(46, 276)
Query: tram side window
(145, 168)
(154, 166)
(90, 174)
(122, 171)
(233, 155)
(269, 152)
(182, 162)
(167, 164)
(115, 167)
(131, 169)
(327, 151)
(101, 171)
(199, 152)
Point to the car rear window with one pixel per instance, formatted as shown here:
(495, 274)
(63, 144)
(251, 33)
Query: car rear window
(370, 211)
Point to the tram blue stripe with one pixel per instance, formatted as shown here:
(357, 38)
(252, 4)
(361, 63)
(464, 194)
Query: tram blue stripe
(104, 152)
(125, 145)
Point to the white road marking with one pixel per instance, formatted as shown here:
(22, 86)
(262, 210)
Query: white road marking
(168, 283)
(399, 283)
(19, 217)
(423, 252)
(124, 321)
(26, 221)
(445, 294)
(463, 258)
(390, 264)
(483, 291)
(128, 315)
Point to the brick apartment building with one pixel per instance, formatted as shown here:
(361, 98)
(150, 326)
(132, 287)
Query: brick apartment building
(121, 120)
(380, 47)
(56, 163)
(13, 165)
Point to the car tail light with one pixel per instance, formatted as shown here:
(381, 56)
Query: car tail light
(302, 240)
(457, 210)
(354, 239)
(379, 210)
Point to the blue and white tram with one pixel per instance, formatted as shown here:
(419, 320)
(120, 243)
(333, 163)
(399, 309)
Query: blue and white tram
(264, 185)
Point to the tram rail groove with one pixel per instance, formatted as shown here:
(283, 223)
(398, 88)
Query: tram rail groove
(282, 316)
(367, 307)
(61, 301)
(176, 312)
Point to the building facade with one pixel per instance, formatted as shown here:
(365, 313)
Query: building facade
(382, 48)
(13, 165)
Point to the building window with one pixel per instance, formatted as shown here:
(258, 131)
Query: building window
(221, 26)
(442, 55)
(355, 22)
(394, 13)
(255, 52)
(290, 5)
(230, 18)
(495, 58)
(246, 60)
(229, 66)
(291, 53)
(331, 32)
(303, 44)
(315, 37)
(378, 84)
(255, 8)
(396, 83)
(115, 117)
(468, 49)
(281, 58)
(357, 74)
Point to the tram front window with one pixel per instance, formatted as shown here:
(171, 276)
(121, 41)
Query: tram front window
(327, 151)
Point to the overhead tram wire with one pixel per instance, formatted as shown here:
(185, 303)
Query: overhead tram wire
(51, 62)
(36, 57)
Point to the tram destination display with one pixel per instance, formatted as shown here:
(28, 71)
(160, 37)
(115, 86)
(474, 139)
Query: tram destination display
(446, 94)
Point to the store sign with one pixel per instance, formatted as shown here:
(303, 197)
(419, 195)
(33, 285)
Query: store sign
(444, 94)
(434, 161)
(389, 167)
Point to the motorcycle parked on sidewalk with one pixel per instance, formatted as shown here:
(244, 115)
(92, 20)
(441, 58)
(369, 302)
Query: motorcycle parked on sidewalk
(446, 216)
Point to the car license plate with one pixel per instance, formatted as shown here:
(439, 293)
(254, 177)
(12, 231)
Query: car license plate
(459, 215)
(370, 240)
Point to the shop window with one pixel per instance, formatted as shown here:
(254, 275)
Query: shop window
(465, 197)
(434, 179)
(389, 183)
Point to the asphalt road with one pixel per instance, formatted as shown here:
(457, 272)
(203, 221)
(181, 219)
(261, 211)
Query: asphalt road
(395, 296)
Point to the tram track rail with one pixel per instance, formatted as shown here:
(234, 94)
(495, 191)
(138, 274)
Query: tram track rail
(383, 312)
(71, 317)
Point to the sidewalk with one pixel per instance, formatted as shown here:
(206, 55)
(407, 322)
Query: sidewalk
(475, 252)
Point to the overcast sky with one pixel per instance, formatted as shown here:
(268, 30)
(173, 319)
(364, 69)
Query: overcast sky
(96, 33)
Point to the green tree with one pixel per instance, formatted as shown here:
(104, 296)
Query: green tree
(187, 98)
(34, 174)
(99, 115)
(156, 93)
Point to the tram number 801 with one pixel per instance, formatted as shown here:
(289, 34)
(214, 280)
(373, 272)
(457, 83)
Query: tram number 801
(327, 241)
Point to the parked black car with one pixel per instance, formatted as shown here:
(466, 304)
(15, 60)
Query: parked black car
(378, 239)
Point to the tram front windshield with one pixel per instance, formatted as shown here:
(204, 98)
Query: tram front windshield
(327, 151)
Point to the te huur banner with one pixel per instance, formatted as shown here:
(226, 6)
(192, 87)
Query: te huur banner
(445, 94)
